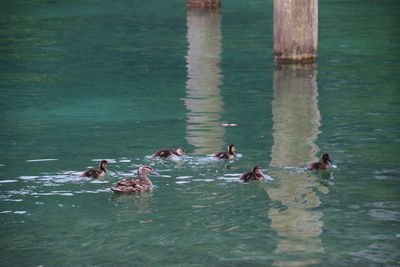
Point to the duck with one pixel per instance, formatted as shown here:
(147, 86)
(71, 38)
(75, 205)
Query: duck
(136, 185)
(230, 154)
(255, 175)
(322, 165)
(166, 153)
(97, 173)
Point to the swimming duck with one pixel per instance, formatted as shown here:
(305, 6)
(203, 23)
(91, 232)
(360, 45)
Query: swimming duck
(96, 173)
(255, 175)
(230, 154)
(322, 165)
(136, 185)
(166, 153)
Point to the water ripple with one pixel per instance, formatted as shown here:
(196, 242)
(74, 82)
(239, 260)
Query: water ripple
(39, 160)
(8, 181)
(386, 215)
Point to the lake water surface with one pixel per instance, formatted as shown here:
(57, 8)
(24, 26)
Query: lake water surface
(86, 80)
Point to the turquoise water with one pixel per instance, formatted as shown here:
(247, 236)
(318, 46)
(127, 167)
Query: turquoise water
(83, 81)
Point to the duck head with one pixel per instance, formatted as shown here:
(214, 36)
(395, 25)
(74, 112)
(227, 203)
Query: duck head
(146, 169)
(103, 164)
(325, 158)
(258, 170)
(180, 151)
(232, 149)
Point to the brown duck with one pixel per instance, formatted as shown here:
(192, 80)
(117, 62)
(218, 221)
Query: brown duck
(255, 175)
(96, 173)
(136, 185)
(166, 153)
(322, 165)
(230, 154)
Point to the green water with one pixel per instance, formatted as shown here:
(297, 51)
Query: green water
(82, 81)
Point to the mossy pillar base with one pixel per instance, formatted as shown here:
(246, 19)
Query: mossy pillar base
(295, 30)
(203, 3)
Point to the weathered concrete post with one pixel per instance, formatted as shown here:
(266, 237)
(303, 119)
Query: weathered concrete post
(203, 3)
(295, 30)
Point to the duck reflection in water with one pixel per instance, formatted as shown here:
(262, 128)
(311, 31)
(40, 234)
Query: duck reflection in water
(137, 203)
(296, 122)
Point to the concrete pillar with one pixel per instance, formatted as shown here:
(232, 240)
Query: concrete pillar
(295, 30)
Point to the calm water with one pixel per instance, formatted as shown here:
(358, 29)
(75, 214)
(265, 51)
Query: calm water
(88, 80)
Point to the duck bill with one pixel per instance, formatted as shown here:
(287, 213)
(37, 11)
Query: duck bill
(155, 173)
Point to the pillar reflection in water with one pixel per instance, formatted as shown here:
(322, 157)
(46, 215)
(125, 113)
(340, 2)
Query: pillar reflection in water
(203, 100)
(296, 121)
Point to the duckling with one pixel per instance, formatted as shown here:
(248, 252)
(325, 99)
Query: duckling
(97, 173)
(136, 185)
(255, 175)
(322, 165)
(230, 154)
(166, 153)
